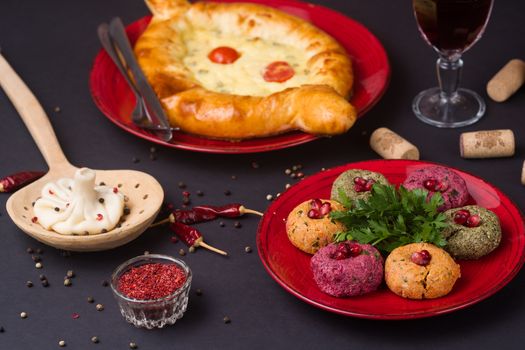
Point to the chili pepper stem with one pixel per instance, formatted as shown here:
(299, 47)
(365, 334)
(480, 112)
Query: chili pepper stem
(244, 210)
(201, 243)
(169, 219)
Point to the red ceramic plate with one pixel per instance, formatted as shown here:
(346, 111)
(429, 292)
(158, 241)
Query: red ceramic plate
(481, 278)
(372, 71)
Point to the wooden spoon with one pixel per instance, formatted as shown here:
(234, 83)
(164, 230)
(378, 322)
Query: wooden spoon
(144, 193)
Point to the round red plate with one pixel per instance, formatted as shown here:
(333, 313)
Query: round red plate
(372, 73)
(481, 278)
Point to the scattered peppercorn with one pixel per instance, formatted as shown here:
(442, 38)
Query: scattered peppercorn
(39, 251)
(234, 177)
(269, 197)
(61, 343)
(35, 258)
(135, 160)
(106, 283)
(57, 209)
(38, 265)
(191, 249)
(200, 193)
(133, 346)
(67, 282)
(226, 319)
(94, 340)
(248, 249)
(237, 224)
(23, 314)
(152, 156)
(227, 192)
(29, 284)
(288, 171)
(198, 292)
(45, 283)
(99, 307)
(300, 174)
(222, 224)
(293, 175)
(70, 274)
(152, 149)
(90, 300)
(287, 186)
(126, 211)
(186, 201)
(255, 165)
(102, 183)
(29, 250)
(42, 277)
(101, 200)
(2, 330)
(57, 109)
(182, 252)
(181, 185)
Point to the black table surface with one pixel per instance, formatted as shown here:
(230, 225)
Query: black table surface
(52, 44)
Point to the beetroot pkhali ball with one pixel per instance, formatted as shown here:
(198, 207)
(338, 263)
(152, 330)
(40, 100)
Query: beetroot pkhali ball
(347, 269)
(434, 179)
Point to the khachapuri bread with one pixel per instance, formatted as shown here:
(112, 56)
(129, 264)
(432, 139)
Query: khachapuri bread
(356, 184)
(241, 70)
(420, 271)
(434, 179)
(473, 232)
(309, 226)
(347, 269)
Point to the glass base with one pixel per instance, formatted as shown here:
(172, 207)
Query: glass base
(463, 108)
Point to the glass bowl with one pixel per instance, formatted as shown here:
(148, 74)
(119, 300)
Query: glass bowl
(154, 313)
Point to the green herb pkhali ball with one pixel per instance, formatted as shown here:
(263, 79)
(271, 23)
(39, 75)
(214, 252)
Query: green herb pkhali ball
(355, 184)
(473, 232)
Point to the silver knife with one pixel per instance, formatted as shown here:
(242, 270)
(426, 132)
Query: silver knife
(152, 105)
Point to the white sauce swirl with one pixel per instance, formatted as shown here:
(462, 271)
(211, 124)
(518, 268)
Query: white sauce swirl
(79, 207)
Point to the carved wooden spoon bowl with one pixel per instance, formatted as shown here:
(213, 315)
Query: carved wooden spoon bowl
(144, 195)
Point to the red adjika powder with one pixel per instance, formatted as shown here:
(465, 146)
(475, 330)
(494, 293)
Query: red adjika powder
(151, 281)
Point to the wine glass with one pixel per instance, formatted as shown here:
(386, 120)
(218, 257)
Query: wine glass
(451, 27)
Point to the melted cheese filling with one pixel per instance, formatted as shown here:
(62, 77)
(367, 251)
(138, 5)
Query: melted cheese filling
(244, 76)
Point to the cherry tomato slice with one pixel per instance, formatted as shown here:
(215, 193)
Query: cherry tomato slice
(223, 55)
(278, 72)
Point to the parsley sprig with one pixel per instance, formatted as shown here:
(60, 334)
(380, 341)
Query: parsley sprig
(390, 218)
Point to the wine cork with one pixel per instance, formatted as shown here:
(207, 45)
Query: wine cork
(487, 144)
(390, 145)
(507, 81)
(523, 173)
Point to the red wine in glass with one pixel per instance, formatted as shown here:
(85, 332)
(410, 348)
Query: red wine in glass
(451, 27)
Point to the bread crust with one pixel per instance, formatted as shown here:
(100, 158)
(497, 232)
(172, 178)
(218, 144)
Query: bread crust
(321, 107)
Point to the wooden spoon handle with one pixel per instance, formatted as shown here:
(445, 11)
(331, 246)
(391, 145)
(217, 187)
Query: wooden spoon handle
(32, 114)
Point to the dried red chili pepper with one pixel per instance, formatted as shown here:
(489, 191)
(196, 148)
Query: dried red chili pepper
(192, 237)
(15, 181)
(204, 213)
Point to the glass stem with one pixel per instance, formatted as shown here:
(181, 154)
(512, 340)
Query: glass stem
(449, 73)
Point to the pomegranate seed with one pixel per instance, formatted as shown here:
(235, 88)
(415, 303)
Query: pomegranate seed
(461, 216)
(430, 184)
(441, 186)
(313, 214)
(99, 217)
(115, 190)
(174, 239)
(340, 255)
(326, 208)
(421, 258)
(358, 188)
(369, 184)
(185, 193)
(34, 219)
(316, 204)
(473, 221)
(355, 250)
(359, 181)
(425, 254)
(342, 247)
(170, 206)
